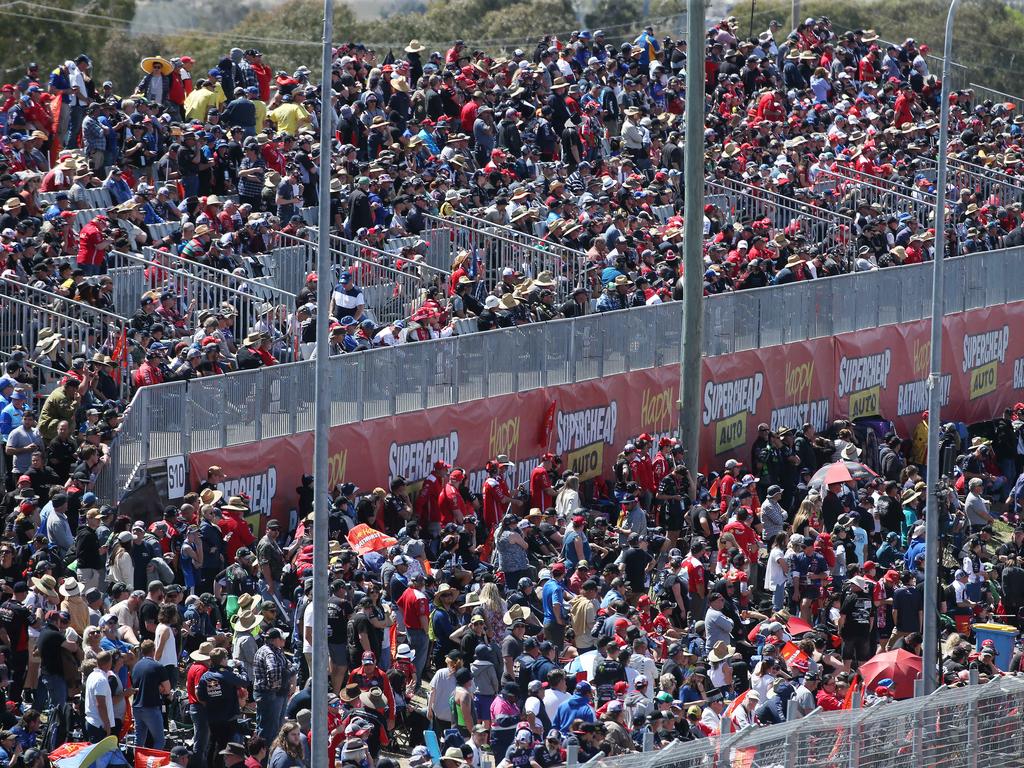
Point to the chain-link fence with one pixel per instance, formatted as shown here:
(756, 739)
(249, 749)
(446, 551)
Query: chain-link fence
(976, 726)
(217, 412)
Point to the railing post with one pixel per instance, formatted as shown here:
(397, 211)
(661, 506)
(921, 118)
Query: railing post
(485, 388)
(427, 373)
(457, 373)
(972, 721)
(146, 434)
(186, 420)
(261, 399)
(223, 393)
(293, 415)
(361, 388)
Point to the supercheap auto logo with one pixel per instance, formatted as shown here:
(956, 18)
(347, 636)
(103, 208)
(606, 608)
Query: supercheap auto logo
(983, 352)
(582, 436)
(260, 487)
(800, 407)
(863, 379)
(727, 405)
(414, 461)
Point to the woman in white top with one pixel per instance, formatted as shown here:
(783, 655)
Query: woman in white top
(166, 644)
(776, 574)
(568, 499)
(121, 566)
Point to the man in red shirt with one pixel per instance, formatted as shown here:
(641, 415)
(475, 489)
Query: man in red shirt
(725, 485)
(902, 112)
(662, 465)
(645, 469)
(200, 666)
(234, 528)
(150, 371)
(468, 114)
(426, 502)
(497, 500)
(415, 608)
(450, 504)
(745, 535)
(541, 494)
(93, 245)
(696, 578)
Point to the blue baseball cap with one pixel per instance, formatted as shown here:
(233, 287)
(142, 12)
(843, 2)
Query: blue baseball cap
(214, 72)
(345, 277)
(347, 320)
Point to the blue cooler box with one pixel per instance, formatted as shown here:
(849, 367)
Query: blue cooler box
(1003, 636)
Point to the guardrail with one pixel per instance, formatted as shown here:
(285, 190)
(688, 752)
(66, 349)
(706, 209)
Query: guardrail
(241, 407)
(885, 195)
(500, 248)
(390, 293)
(976, 726)
(817, 224)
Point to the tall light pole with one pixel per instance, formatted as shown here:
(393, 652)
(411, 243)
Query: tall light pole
(693, 237)
(322, 397)
(932, 544)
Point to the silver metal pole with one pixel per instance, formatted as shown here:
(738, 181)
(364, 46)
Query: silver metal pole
(795, 14)
(930, 670)
(693, 237)
(323, 409)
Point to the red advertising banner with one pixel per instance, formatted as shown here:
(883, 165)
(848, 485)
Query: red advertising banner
(880, 372)
(781, 386)
(588, 425)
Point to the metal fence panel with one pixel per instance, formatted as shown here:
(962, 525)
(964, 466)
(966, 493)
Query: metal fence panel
(247, 406)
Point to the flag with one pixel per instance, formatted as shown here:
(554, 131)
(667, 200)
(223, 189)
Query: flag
(794, 656)
(120, 354)
(547, 425)
(389, 59)
(734, 704)
(848, 698)
(100, 755)
(365, 539)
(151, 758)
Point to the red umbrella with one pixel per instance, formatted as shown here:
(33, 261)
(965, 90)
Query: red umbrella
(837, 473)
(797, 626)
(901, 667)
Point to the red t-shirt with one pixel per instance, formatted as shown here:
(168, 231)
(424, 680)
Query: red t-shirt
(450, 503)
(496, 498)
(196, 671)
(540, 487)
(415, 608)
(240, 534)
(88, 239)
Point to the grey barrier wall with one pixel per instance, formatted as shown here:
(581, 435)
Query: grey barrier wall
(209, 413)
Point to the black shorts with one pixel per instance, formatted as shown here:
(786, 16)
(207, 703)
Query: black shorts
(338, 653)
(857, 649)
(672, 517)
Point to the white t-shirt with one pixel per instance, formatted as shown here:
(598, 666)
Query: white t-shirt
(307, 621)
(96, 685)
(553, 700)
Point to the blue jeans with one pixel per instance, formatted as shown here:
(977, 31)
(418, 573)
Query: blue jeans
(52, 691)
(191, 185)
(148, 721)
(779, 597)
(269, 713)
(201, 740)
(420, 643)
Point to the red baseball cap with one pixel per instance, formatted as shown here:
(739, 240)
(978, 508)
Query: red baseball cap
(311, 276)
(579, 520)
(558, 569)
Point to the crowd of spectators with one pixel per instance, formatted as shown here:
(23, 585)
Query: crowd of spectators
(634, 609)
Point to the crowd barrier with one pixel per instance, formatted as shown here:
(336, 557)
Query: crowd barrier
(767, 323)
(820, 226)
(975, 726)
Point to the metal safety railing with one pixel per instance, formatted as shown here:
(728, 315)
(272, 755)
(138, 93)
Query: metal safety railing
(818, 224)
(988, 183)
(30, 315)
(983, 92)
(195, 291)
(975, 726)
(241, 407)
(499, 248)
(390, 293)
(886, 196)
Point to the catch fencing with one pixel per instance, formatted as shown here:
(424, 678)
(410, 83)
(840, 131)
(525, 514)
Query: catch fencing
(975, 726)
(217, 412)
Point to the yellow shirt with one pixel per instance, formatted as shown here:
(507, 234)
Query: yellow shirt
(289, 118)
(201, 101)
(919, 446)
(261, 114)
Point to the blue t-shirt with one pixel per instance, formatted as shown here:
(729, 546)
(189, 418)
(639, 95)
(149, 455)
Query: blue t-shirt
(552, 593)
(147, 677)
